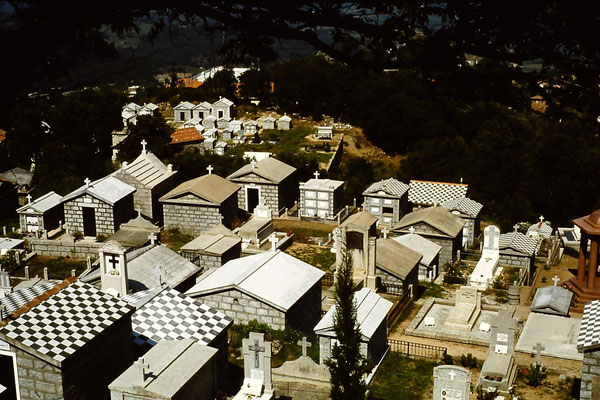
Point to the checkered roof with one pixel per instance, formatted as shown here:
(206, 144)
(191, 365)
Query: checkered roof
(464, 205)
(20, 297)
(430, 193)
(589, 332)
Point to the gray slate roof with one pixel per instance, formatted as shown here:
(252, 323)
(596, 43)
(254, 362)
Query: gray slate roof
(270, 169)
(519, 242)
(108, 189)
(464, 205)
(390, 186)
(148, 170)
(437, 217)
(430, 193)
(210, 187)
(43, 203)
(552, 300)
(418, 243)
(212, 243)
(543, 229)
(363, 219)
(396, 258)
(18, 176)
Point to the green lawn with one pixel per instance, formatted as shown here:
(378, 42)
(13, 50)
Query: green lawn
(320, 257)
(58, 267)
(402, 378)
(174, 238)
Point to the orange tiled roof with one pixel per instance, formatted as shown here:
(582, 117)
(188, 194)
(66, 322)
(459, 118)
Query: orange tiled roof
(2, 135)
(186, 135)
(189, 83)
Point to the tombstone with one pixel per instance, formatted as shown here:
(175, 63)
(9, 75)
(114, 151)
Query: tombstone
(499, 369)
(113, 269)
(305, 345)
(514, 295)
(451, 383)
(538, 348)
(5, 286)
(26, 272)
(257, 369)
(466, 309)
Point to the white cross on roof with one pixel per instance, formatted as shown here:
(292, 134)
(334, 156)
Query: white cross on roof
(28, 199)
(555, 280)
(385, 232)
(316, 174)
(541, 218)
(273, 239)
(411, 230)
(305, 345)
(87, 182)
(253, 164)
(144, 143)
(209, 169)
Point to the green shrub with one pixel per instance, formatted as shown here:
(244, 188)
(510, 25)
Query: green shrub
(535, 375)
(447, 359)
(483, 394)
(78, 235)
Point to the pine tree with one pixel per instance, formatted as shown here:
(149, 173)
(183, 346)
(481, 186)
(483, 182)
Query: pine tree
(347, 365)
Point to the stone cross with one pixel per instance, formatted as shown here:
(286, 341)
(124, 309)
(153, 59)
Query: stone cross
(538, 348)
(253, 164)
(541, 218)
(144, 143)
(555, 280)
(87, 182)
(256, 349)
(113, 261)
(273, 239)
(411, 230)
(385, 232)
(516, 226)
(209, 169)
(152, 238)
(316, 174)
(28, 199)
(139, 212)
(452, 375)
(144, 367)
(305, 345)
(159, 272)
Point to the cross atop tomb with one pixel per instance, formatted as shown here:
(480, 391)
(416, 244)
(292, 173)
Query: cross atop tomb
(385, 232)
(516, 226)
(411, 230)
(541, 218)
(159, 272)
(210, 169)
(305, 345)
(144, 368)
(555, 280)
(139, 212)
(316, 174)
(2, 310)
(538, 348)
(257, 349)
(452, 375)
(28, 199)
(253, 164)
(152, 237)
(273, 239)
(87, 182)
(144, 143)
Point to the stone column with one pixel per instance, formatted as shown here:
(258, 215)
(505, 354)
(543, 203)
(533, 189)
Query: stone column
(593, 263)
(582, 257)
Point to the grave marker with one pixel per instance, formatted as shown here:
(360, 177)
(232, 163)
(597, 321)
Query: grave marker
(451, 383)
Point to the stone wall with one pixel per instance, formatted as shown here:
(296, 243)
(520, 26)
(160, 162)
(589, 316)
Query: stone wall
(191, 219)
(38, 379)
(511, 258)
(243, 308)
(145, 199)
(57, 248)
(108, 218)
(589, 371)
(446, 252)
(268, 192)
(385, 278)
(306, 312)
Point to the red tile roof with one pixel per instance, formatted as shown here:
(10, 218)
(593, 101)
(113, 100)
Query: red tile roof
(2, 135)
(186, 135)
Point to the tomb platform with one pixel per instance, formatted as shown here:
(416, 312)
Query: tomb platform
(581, 291)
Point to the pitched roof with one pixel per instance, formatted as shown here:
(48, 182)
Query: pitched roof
(147, 169)
(108, 189)
(270, 169)
(541, 228)
(396, 258)
(18, 176)
(371, 311)
(210, 187)
(362, 218)
(589, 331)
(426, 192)
(321, 184)
(18, 298)
(390, 186)
(269, 119)
(43, 203)
(65, 320)
(418, 243)
(205, 105)
(224, 101)
(437, 217)
(185, 135)
(141, 264)
(519, 242)
(464, 205)
(285, 118)
(276, 278)
(166, 314)
(552, 300)
(184, 104)
(212, 243)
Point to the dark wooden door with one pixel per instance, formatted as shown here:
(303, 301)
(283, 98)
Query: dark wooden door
(252, 199)
(8, 390)
(89, 221)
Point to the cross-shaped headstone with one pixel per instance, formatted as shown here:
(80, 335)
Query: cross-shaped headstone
(305, 345)
(541, 218)
(113, 260)
(256, 349)
(316, 174)
(28, 199)
(273, 239)
(452, 375)
(209, 169)
(159, 272)
(144, 367)
(87, 182)
(139, 212)
(152, 238)
(385, 232)
(144, 143)
(538, 348)
(555, 280)
(411, 230)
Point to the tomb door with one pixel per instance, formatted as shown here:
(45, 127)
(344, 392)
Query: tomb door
(252, 195)
(8, 377)
(89, 221)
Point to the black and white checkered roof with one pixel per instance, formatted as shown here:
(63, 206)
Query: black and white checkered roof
(589, 332)
(170, 315)
(17, 299)
(519, 242)
(432, 193)
(390, 186)
(464, 205)
(66, 321)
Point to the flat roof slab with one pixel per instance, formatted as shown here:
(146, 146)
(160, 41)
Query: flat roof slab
(557, 334)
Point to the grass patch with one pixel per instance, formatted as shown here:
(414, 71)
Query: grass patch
(433, 290)
(58, 267)
(303, 230)
(174, 238)
(320, 257)
(402, 378)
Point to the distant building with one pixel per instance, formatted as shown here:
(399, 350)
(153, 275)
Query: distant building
(321, 198)
(284, 123)
(387, 200)
(42, 214)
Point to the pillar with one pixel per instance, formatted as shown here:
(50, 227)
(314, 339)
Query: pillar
(582, 257)
(593, 263)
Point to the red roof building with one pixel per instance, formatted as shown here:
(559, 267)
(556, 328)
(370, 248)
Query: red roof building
(186, 136)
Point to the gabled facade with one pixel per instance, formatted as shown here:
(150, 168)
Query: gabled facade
(470, 211)
(43, 214)
(387, 200)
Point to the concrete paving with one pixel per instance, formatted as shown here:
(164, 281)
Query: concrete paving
(557, 334)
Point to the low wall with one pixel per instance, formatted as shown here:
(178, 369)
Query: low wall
(58, 248)
(304, 369)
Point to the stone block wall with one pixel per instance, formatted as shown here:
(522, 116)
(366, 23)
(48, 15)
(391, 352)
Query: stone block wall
(269, 194)
(243, 308)
(190, 218)
(38, 379)
(510, 258)
(202, 259)
(589, 371)
(306, 312)
(57, 248)
(375, 204)
(385, 278)
(446, 252)
(103, 212)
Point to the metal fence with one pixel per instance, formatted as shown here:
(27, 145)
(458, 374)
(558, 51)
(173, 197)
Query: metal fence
(417, 350)
(327, 279)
